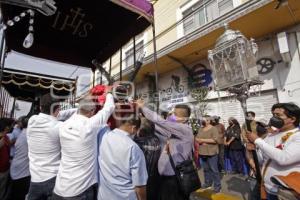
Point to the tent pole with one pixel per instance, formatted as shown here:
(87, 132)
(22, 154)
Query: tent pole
(134, 65)
(121, 64)
(94, 78)
(110, 63)
(74, 93)
(2, 59)
(6, 104)
(134, 52)
(2, 48)
(13, 108)
(101, 78)
(1, 101)
(156, 93)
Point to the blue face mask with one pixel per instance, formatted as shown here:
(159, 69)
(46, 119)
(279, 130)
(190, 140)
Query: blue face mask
(172, 118)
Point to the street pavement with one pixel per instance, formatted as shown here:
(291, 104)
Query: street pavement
(234, 187)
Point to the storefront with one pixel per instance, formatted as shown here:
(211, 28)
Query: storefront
(279, 69)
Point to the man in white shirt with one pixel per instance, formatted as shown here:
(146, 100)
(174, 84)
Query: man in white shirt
(123, 172)
(280, 150)
(44, 147)
(77, 174)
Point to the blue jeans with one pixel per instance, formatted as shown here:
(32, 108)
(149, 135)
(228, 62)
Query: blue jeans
(211, 172)
(237, 160)
(89, 194)
(42, 190)
(271, 197)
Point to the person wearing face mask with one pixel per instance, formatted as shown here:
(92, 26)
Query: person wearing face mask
(208, 139)
(280, 149)
(150, 145)
(256, 127)
(177, 137)
(122, 165)
(233, 142)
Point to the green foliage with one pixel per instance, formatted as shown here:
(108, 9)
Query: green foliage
(195, 125)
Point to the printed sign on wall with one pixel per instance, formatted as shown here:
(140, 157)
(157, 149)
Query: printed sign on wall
(175, 87)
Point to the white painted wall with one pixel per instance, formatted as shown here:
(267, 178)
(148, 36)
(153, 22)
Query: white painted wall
(290, 76)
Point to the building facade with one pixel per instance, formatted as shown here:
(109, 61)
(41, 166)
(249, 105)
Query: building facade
(187, 29)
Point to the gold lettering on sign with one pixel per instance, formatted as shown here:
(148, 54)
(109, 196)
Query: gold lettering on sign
(74, 22)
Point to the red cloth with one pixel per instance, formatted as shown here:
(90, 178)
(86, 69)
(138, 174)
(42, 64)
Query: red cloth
(99, 92)
(4, 155)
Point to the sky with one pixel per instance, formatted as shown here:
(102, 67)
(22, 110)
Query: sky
(24, 62)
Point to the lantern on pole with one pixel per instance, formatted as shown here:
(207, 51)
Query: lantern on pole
(233, 61)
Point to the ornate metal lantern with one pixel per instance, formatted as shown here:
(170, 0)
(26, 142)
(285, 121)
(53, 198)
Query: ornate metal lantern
(233, 60)
(234, 65)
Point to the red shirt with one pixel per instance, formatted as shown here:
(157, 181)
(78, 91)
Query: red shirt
(4, 155)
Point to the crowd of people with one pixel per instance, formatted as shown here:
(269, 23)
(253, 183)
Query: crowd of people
(74, 154)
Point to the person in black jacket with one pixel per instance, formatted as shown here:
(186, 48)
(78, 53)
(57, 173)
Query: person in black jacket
(150, 145)
(234, 144)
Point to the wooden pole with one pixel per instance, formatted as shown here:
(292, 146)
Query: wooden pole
(110, 63)
(156, 99)
(134, 52)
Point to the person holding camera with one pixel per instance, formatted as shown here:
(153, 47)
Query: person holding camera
(179, 141)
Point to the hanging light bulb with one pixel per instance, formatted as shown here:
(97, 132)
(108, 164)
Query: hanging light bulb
(23, 14)
(10, 23)
(29, 39)
(16, 18)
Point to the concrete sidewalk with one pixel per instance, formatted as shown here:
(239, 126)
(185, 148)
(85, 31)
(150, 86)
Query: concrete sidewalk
(234, 187)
